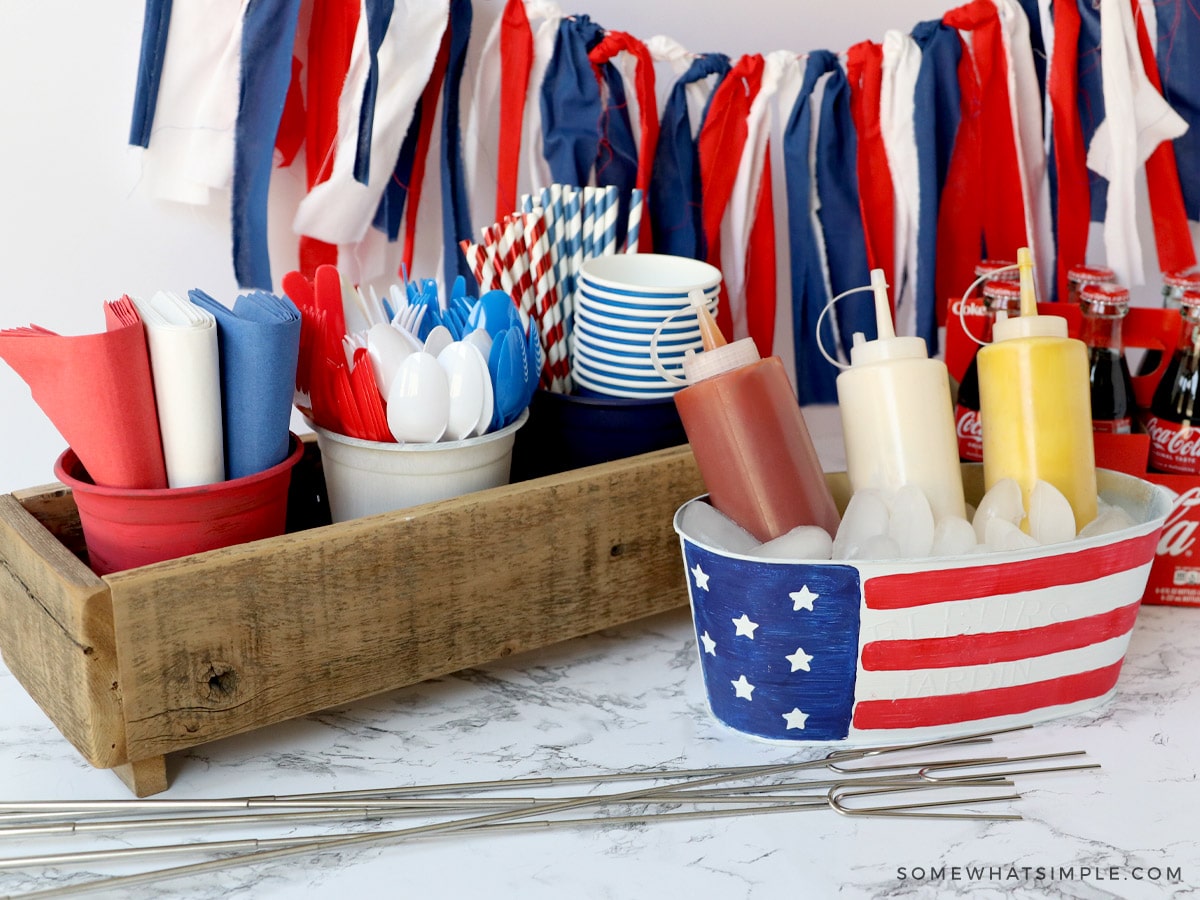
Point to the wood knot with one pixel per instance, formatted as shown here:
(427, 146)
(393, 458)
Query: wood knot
(222, 682)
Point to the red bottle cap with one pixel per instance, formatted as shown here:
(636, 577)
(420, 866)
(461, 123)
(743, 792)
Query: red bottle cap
(1184, 278)
(1090, 274)
(1190, 299)
(1105, 298)
(988, 267)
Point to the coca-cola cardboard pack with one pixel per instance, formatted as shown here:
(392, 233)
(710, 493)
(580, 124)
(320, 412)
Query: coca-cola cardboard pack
(1175, 574)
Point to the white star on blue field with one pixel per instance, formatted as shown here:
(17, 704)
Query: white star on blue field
(778, 643)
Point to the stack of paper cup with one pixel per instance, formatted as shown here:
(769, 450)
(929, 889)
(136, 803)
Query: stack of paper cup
(621, 302)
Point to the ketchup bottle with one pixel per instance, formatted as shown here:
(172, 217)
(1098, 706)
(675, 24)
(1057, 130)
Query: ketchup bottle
(1171, 422)
(749, 438)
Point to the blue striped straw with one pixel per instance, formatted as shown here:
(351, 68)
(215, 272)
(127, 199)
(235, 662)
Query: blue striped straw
(635, 221)
(573, 216)
(589, 222)
(606, 223)
(526, 203)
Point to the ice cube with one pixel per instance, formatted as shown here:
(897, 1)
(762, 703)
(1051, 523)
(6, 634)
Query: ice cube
(1004, 502)
(1111, 518)
(802, 542)
(1002, 534)
(1051, 519)
(911, 522)
(878, 546)
(708, 525)
(866, 516)
(953, 537)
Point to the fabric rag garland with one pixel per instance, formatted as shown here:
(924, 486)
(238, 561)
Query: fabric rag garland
(1006, 123)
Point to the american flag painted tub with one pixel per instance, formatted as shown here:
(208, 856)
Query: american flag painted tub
(873, 651)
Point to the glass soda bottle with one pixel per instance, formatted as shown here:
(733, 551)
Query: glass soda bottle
(1170, 422)
(1174, 286)
(999, 293)
(1078, 277)
(1104, 307)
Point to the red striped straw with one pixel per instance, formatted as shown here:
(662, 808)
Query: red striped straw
(515, 255)
(547, 313)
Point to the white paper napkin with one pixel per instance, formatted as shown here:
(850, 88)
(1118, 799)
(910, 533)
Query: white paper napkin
(187, 387)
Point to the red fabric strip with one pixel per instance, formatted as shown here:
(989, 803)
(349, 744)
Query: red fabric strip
(760, 266)
(722, 138)
(290, 135)
(1070, 155)
(330, 40)
(876, 200)
(1000, 646)
(919, 712)
(429, 108)
(1000, 191)
(516, 60)
(971, 582)
(613, 43)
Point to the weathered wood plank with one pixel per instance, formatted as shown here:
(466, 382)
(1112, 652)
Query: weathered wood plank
(56, 632)
(234, 639)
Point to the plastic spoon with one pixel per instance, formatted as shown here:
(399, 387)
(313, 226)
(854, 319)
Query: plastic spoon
(458, 360)
(388, 348)
(418, 402)
(438, 339)
(488, 406)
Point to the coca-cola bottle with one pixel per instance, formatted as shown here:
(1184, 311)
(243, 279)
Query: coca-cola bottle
(1174, 438)
(999, 293)
(1174, 286)
(1079, 277)
(1104, 307)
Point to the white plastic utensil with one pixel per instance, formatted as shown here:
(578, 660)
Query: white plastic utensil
(439, 338)
(418, 401)
(388, 347)
(458, 360)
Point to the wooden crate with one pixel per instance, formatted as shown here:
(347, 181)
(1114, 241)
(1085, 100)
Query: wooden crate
(134, 665)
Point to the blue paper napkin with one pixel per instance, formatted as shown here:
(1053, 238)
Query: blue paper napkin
(259, 345)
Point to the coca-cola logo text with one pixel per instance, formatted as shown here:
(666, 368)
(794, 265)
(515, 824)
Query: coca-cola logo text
(971, 309)
(969, 424)
(1179, 530)
(1170, 438)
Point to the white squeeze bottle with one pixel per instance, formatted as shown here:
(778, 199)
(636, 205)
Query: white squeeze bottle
(897, 417)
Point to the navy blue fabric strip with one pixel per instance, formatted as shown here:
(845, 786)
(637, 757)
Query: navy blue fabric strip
(838, 211)
(1178, 65)
(570, 103)
(155, 25)
(1091, 97)
(268, 32)
(379, 16)
(456, 207)
(674, 199)
(936, 116)
(815, 377)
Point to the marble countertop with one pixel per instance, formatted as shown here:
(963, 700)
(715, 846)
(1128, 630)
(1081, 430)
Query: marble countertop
(632, 698)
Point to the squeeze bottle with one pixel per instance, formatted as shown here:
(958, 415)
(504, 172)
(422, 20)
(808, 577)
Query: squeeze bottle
(749, 438)
(1035, 404)
(897, 415)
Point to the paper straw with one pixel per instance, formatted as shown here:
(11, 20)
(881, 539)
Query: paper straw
(589, 221)
(635, 221)
(526, 205)
(606, 218)
(516, 261)
(482, 267)
(543, 272)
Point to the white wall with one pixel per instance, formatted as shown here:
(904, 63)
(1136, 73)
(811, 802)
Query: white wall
(75, 229)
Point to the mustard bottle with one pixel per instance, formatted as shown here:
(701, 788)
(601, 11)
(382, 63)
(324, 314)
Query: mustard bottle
(1035, 404)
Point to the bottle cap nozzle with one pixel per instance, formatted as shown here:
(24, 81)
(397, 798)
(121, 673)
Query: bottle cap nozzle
(887, 345)
(883, 309)
(710, 332)
(1029, 323)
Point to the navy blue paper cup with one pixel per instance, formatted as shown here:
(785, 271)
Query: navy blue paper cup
(568, 431)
